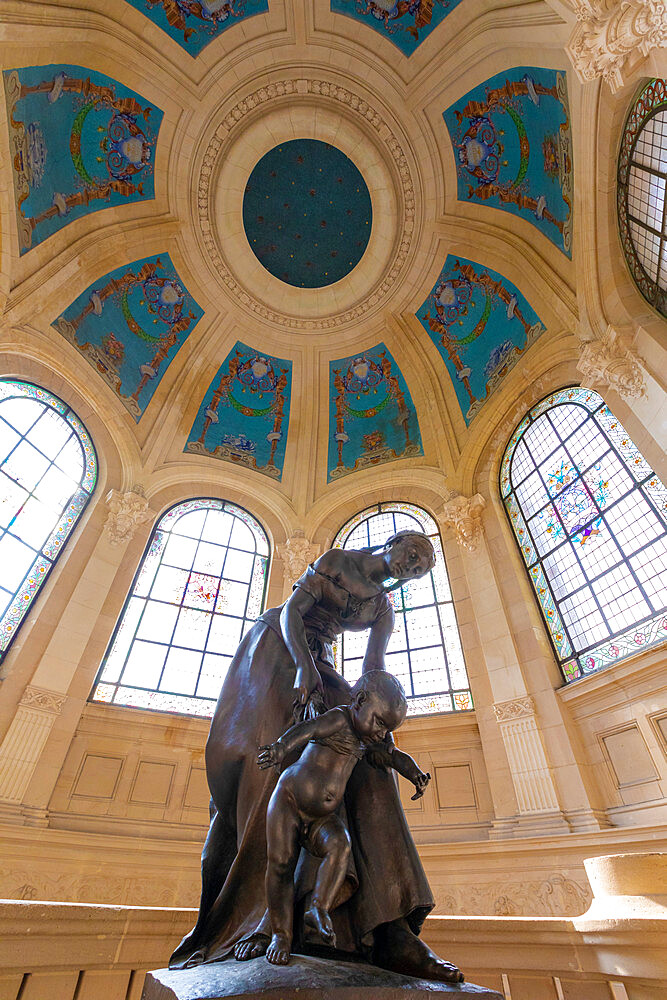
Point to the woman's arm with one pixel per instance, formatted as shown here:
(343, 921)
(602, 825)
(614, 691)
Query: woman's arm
(294, 634)
(378, 641)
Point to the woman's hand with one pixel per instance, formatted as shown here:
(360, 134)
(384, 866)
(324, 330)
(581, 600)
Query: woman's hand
(306, 682)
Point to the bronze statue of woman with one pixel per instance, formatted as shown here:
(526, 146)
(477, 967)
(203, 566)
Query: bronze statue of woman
(282, 670)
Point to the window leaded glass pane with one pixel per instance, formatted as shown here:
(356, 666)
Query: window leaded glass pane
(48, 470)
(591, 522)
(424, 651)
(198, 590)
(642, 193)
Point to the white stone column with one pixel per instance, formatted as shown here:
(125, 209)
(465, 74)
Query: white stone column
(25, 744)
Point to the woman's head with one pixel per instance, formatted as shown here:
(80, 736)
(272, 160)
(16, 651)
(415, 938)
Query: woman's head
(409, 554)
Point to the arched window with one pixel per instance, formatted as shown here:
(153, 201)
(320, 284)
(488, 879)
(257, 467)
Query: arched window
(424, 651)
(199, 588)
(589, 515)
(642, 194)
(48, 470)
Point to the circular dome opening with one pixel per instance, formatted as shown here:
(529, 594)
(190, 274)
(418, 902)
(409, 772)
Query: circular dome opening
(307, 213)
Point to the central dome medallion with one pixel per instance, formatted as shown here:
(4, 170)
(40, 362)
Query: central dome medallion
(307, 213)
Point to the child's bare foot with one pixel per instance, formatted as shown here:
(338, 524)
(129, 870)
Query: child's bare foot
(251, 947)
(278, 951)
(320, 921)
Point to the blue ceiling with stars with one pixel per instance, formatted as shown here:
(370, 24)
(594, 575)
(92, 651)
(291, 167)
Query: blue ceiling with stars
(307, 213)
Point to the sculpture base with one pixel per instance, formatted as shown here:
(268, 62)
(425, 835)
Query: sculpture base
(305, 978)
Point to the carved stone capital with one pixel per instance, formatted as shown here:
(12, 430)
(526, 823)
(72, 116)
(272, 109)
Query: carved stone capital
(517, 708)
(464, 516)
(610, 362)
(297, 553)
(42, 699)
(127, 511)
(609, 31)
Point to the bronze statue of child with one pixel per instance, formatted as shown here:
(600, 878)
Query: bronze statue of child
(302, 809)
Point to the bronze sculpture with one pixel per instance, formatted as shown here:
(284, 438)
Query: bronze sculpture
(282, 672)
(302, 808)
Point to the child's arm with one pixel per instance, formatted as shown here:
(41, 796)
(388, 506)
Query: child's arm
(297, 736)
(404, 764)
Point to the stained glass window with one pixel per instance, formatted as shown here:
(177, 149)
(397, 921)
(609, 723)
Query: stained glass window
(590, 517)
(199, 588)
(642, 192)
(424, 651)
(48, 470)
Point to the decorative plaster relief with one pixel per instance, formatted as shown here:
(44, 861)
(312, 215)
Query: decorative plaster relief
(464, 516)
(194, 25)
(127, 511)
(283, 92)
(130, 324)
(513, 148)
(253, 431)
(80, 141)
(608, 33)
(42, 699)
(372, 419)
(610, 363)
(556, 895)
(518, 708)
(297, 553)
(481, 324)
(421, 18)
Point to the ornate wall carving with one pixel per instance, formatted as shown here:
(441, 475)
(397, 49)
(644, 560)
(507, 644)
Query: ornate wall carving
(464, 516)
(127, 511)
(47, 701)
(554, 896)
(297, 553)
(519, 708)
(609, 32)
(610, 363)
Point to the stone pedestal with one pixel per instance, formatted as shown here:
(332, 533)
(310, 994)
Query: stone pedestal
(305, 978)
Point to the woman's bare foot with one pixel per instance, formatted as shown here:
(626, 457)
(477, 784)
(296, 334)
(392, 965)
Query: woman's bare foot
(398, 949)
(251, 947)
(320, 921)
(278, 951)
(196, 958)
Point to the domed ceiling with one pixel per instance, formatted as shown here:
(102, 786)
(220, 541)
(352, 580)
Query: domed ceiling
(247, 223)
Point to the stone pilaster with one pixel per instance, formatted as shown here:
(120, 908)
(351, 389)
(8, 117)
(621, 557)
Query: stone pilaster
(611, 363)
(533, 784)
(610, 31)
(25, 739)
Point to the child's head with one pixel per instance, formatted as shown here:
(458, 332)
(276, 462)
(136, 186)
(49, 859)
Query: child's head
(379, 705)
